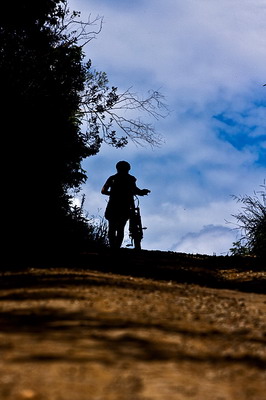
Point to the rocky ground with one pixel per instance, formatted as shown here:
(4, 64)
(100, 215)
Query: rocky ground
(133, 326)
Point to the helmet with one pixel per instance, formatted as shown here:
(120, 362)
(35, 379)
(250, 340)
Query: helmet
(123, 166)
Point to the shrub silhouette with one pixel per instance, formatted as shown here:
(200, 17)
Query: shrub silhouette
(252, 223)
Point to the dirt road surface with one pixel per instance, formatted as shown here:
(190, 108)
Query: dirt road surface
(96, 332)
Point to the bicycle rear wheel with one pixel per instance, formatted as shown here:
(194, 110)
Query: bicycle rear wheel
(135, 228)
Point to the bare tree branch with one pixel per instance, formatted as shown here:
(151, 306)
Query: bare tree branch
(73, 30)
(114, 113)
(108, 114)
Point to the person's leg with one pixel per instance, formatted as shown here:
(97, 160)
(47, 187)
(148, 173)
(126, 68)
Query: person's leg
(120, 232)
(112, 233)
(116, 232)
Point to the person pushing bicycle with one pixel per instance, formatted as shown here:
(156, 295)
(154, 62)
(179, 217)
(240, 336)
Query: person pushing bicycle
(121, 189)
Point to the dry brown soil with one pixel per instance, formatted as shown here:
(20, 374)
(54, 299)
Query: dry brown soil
(92, 331)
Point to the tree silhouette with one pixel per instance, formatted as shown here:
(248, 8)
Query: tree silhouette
(47, 92)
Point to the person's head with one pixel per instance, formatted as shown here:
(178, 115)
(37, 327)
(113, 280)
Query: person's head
(123, 167)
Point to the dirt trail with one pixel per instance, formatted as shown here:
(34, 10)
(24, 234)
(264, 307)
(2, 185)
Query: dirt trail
(90, 334)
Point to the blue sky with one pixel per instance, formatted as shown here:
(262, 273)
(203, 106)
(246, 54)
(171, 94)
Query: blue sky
(208, 58)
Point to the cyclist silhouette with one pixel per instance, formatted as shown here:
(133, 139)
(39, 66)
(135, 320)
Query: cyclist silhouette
(121, 189)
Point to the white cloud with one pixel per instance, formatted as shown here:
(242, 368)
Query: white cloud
(177, 227)
(195, 46)
(204, 241)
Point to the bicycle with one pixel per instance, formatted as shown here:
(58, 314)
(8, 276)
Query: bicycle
(135, 225)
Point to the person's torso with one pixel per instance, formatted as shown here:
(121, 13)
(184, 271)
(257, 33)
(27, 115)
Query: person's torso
(122, 187)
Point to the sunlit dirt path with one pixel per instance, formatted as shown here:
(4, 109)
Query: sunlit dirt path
(86, 334)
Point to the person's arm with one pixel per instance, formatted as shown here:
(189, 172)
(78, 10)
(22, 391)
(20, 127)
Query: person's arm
(141, 192)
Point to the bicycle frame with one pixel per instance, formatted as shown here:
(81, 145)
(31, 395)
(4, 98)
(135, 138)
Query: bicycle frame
(135, 225)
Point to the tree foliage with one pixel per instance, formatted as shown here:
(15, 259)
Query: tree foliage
(252, 223)
(48, 92)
